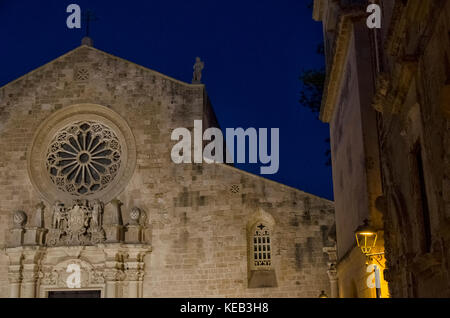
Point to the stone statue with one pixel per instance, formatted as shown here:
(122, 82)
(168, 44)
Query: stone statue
(58, 215)
(198, 68)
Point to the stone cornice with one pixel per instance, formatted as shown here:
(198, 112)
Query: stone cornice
(334, 78)
(404, 16)
(392, 88)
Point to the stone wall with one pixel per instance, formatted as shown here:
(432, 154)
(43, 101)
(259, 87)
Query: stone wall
(198, 214)
(415, 122)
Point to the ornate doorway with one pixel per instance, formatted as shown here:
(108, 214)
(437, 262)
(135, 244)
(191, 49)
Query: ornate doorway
(86, 252)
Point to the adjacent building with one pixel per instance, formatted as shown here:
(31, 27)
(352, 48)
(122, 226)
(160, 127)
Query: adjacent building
(387, 99)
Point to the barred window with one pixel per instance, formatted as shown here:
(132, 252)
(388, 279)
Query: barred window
(262, 252)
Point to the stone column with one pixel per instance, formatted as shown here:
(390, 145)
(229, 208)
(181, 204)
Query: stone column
(14, 270)
(30, 276)
(15, 278)
(332, 276)
(332, 272)
(30, 270)
(134, 270)
(114, 270)
(111, 278)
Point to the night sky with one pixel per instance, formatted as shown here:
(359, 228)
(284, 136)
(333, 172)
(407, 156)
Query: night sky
(254, 51)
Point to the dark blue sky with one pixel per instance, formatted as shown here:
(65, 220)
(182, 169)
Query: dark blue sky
(254, 51)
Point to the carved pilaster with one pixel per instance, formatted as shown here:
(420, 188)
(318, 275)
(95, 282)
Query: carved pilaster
(113, 272)
(15, 257)
(135, 269)
(30, 271)
(15, 280)
(332, 271)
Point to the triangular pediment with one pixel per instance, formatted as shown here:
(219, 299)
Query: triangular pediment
(81, 50)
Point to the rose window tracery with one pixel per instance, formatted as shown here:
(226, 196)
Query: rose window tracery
(83, 158)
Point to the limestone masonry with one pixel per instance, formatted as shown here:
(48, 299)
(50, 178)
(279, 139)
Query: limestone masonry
(88, 135)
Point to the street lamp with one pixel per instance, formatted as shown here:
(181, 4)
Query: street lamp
(366, 237)
(323, 295)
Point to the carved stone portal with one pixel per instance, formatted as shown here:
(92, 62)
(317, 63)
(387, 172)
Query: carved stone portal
(77, 251)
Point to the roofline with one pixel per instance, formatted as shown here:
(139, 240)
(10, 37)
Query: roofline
(273, 182)
(106, 53)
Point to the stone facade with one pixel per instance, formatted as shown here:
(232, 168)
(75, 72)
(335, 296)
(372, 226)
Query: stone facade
(354, 141)
(415, 145)
(386, 100)
(196, 239)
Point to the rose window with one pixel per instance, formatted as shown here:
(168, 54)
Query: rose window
(83, 158)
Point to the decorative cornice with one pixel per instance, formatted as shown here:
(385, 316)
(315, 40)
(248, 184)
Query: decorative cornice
(335, 76)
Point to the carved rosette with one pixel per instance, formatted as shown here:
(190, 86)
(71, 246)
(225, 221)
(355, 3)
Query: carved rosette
(97, 277)
(49, 278)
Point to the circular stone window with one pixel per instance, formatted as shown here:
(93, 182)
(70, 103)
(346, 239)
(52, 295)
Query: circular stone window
(82, 151)
(83, 158)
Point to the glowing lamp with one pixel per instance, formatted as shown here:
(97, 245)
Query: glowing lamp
(323, 295)
(366, 237)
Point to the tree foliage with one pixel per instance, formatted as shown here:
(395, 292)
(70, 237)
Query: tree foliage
(313, 82)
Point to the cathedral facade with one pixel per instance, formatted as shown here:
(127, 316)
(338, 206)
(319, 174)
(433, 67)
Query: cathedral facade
(92, 202)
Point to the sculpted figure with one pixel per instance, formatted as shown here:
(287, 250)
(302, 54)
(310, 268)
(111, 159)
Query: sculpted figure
(58, 215)
(198, 68)
(97, 214)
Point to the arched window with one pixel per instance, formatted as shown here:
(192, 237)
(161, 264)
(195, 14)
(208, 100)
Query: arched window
(261, 243)
(262, 251)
